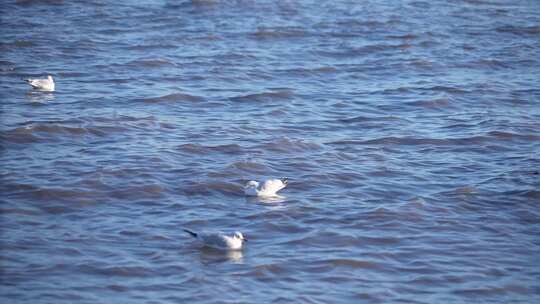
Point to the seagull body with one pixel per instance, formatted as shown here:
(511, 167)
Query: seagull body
(267, 188)
(42, 84)
(219, 240)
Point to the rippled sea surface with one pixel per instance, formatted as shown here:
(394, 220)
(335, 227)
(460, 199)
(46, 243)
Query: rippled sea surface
(409, 130)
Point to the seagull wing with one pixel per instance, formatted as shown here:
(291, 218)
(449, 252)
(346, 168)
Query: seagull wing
(40, 83)
(271, 186)
(214, 240)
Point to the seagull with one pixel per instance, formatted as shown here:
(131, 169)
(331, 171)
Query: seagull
(266, 189)
(219, 240)
(42, 84)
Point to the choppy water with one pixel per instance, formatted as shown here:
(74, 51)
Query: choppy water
(410, 131)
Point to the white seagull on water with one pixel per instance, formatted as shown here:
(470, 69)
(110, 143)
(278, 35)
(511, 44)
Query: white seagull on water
(42, 84)
(219, 240)
(266, 189)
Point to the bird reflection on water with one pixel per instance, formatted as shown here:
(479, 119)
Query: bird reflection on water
(213, 256)
(40, 96)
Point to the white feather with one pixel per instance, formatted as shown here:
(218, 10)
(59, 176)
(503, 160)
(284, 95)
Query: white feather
(266, 188)
(220, 240)
(42, 84)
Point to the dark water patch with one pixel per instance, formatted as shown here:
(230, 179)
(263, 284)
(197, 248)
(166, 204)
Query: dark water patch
(209, 188)
(431, 104)
(18, 136)
(72, 74)
(379, 241)
(279, 33)
(41, 132)
(309, 72)
(445, 89)
(39, 2)
(533, 30)
(20, 211)
(487, 63)
(283, 227)
(138, 192)
(174, 97)
(116, 271)
(150, 47)
(325, 240)
(368, 50)
(362, 119)
(355, 23)
(204, 150)
(287, 145)
(403, 37)
(531, 194)
(114, 31)
(353, 264)
(264, 97)
(17, 44)
(151, 63)
(494, 136)
(420, 4)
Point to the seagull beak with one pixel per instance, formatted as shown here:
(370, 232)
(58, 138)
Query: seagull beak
(245, 240)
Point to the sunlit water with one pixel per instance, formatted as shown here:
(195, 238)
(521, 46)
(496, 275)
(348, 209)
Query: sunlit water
(409, 130)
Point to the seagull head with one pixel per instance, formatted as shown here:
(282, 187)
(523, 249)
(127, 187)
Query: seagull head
(240, 236)
(50, 77)
(252, 184)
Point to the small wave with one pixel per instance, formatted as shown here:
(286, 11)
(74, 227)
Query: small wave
(465, 190)
(151, 63)
(209, 188)
(414, 141)
(486, 63)
(490, 136)
(138, 192)
(266, 96)
(172, 97)
(272, 268)
(368, 119)
(150, 47)
(511, 136)
(249, 167)
(18, 136)
(41, 2)
(114, 31)
(285, 145)
(519, 30)
(390, 140)
(326, 240)
(355, 23)
(20, 211)
(18, 44)
(56, 129)
(279, 33)
(308, 71)
(119, 271)
(6, 63)
(420, 4)
(530, 194)
(352, 263)
(379, 240)
(445, 89)
(203, 150)
(363, 51)
(229, 57)
(403, 37)
(33, 133)
(431, 104)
